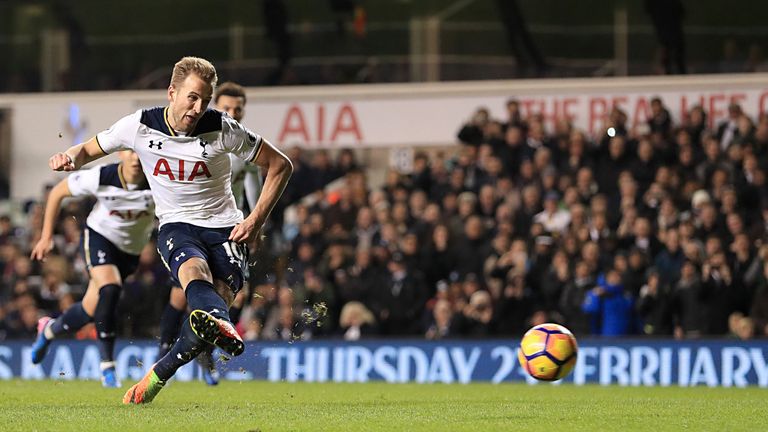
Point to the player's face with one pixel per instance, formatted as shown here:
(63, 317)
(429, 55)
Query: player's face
(188, 102)
(234, 106)
(131, 164)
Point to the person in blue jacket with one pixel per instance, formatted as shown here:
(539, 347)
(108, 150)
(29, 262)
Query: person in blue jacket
(610, 308)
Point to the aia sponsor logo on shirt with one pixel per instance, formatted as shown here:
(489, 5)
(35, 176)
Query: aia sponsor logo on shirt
(129, 214)
(180, 171)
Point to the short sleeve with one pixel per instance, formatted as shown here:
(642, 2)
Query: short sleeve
(121, 135)
(85, 182)
(239, 140)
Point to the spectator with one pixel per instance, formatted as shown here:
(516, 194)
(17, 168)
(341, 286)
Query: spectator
(323, 171)
(420, 176)
(635, 275)
(346, 162)
(759, 308)
(654, 306)
(318, 301)
(610, 307)
(695, 124)
(281, 322)
(473, 246)
(514, 150)
(554, 282)
(356, 322)
(530, 207)
(644, 166)
(440, 254)
(718, 295)
(613, 161)
(472, 132)
(514, 115)
(728, 129)
(398, 300)
(642, 238)
(573, 297)
(476, 319)
(670, 260)
(553, 219)
(343, 211)
(660, 122)
(442, 317)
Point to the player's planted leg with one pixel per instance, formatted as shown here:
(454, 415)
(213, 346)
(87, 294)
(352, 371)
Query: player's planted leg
(105, 318)
(48, 329)
(208, 367)
(170, 325)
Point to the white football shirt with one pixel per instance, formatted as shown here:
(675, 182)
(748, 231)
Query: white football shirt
(123, 213)
(190, 176)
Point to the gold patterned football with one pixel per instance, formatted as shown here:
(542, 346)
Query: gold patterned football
(548, 352)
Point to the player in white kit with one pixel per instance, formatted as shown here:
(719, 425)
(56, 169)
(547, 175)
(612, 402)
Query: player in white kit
(116, 231)
(246, 187)
(184, 150)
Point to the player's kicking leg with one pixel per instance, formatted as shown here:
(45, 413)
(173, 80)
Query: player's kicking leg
(205, 359)
(170, 325)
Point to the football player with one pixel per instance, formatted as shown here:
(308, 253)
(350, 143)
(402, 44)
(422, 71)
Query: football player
(202, 238)
(117, 229)
(246, 186)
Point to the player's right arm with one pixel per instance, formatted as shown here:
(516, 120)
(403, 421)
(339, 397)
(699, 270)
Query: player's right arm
(119, 136)
(52, 208)
(279, 169)
(77, 156)
(252, 185)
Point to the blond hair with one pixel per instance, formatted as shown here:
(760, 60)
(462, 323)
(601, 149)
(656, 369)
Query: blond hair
(196, 65)
(355, 309)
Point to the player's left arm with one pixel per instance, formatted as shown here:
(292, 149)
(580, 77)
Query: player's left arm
(279, 169)
(52, 209)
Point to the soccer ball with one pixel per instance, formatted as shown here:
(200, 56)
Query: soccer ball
(548, 352)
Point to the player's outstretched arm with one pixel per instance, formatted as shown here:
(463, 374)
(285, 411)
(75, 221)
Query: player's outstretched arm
(52, 208)
(76, 156)
(279, 169)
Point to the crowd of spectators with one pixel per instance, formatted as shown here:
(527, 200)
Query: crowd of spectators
(656, 229)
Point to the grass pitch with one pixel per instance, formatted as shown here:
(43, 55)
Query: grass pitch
(262, 406)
